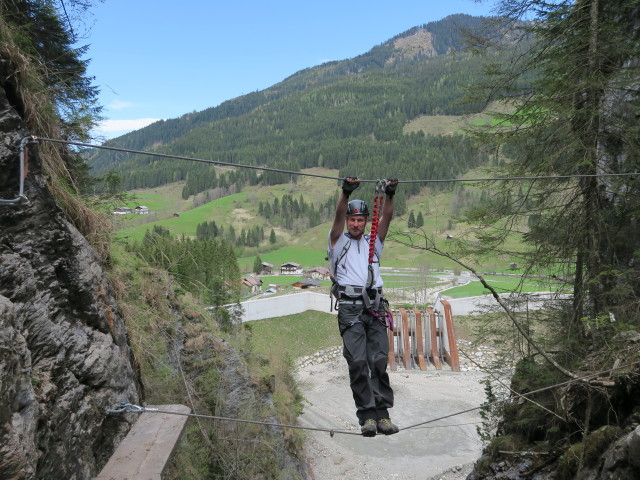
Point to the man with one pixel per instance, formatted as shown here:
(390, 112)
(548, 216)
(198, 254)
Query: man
(364, 337)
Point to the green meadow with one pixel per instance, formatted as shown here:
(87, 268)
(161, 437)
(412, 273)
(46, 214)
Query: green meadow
(219, 210)
(312, 330)
(307, 248)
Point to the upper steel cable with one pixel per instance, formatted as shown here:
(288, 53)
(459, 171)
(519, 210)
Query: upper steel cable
(305, 174)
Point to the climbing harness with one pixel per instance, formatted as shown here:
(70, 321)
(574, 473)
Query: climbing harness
(333, 267)
(371, 239)
(336, 289)
(23, 160)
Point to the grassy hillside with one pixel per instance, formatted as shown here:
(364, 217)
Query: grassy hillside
(454, 124)
(309, 247)
(239, 210)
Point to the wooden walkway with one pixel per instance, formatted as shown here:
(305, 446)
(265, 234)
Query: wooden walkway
(146, 450)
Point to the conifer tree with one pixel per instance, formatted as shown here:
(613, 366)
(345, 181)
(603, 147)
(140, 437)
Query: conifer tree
(257, 265)
(411, 223)
(577, 117)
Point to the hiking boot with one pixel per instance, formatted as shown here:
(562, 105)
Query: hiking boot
(387, 427)
(369, 428)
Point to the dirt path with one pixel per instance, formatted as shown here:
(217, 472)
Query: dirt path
(444, 449)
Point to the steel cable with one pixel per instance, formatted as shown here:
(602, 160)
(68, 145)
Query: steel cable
(306, 174)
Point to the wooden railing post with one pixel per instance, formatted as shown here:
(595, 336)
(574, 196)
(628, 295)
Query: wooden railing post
(453, 359)
(435, 355)
(419, 340)
(406, 348)
(391, 357)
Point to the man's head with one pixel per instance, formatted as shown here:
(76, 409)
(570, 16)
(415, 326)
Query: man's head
(357, 216)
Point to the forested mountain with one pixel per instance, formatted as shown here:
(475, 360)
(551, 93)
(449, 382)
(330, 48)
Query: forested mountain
(344, 114)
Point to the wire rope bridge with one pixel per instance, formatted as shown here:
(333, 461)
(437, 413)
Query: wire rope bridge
(420, 338)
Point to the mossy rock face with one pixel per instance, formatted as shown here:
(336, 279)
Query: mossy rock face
(528, 419)
(597, 442)
(506, 443)
(483, 466)
(590, 450)
(568, 462)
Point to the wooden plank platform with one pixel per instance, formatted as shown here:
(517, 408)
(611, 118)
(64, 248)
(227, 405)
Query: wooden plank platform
(146, 450)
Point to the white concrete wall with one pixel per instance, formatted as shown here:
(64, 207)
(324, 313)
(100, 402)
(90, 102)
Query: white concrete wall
(285, 305)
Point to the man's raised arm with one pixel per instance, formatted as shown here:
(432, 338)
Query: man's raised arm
(349, 184)
(387, 209)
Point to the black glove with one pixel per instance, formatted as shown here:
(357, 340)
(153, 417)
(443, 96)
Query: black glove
(349, 184)
(390, 188)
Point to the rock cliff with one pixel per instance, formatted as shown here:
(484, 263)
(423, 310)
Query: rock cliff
(64, 354)
(601, 417)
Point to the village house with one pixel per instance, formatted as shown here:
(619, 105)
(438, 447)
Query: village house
(306, 283)
(319, 273)
(122, 211)
(141, 210)
(267, 268)
(290, 268)
(253, 283)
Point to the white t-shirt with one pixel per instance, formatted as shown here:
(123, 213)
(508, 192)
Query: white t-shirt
(353, 267)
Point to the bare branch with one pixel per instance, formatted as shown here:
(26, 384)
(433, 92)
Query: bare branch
(431, 247)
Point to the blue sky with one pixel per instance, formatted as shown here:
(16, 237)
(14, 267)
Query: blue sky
(158, 59)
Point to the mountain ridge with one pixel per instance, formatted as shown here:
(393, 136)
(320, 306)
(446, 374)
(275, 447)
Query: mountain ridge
(409, 47)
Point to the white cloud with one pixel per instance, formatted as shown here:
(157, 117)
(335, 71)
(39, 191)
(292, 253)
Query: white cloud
(114, 128)
(119, 104)
(125, 125)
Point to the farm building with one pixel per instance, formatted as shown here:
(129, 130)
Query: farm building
(290, 268)
(122, 211)
(267, 268)
(253, 283)
(319, 273)
(306, 283)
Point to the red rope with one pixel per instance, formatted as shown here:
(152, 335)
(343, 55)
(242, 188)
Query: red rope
(378, 201)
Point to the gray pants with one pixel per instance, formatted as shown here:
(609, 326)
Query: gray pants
(366, 348)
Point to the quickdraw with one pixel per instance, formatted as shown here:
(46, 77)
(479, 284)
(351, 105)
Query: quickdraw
(21, 199)
(378, 203)
(387, 319)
